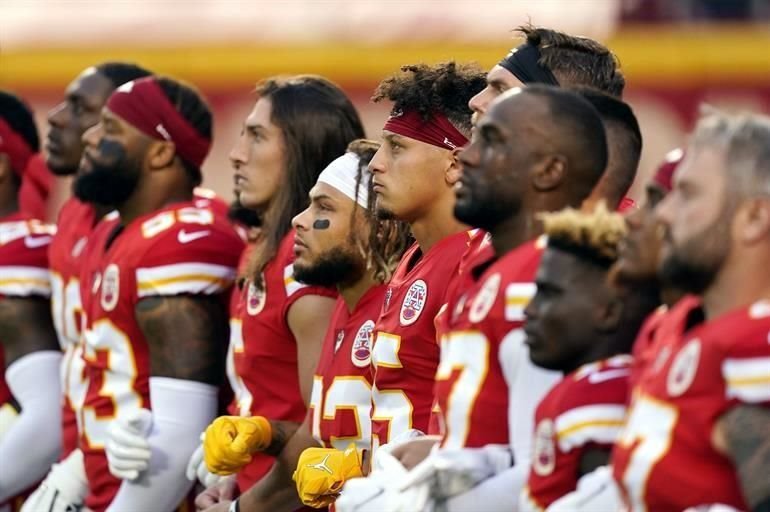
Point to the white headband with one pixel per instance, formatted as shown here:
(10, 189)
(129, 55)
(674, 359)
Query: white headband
(341, 174)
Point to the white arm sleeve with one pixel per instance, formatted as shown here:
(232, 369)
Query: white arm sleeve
(527, 385)
(181, 410)
(34, 440)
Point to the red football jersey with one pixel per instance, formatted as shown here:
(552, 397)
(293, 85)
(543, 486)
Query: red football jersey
(485, 336)
(584, 411)
(665, 459)
(263, 352)
(24, 272)
(406, 353)
(341, 400)
(180, 249)
(75, 223)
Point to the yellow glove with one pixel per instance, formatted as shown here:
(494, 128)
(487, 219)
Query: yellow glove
(230, 441)
(321, 473)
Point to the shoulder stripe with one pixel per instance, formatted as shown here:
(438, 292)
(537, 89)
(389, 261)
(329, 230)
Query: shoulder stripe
(591, 423)
(517, 296)
(25, 281)
(747, 379)
(195, 278)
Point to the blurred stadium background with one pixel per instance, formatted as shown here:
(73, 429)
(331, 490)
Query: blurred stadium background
(675, 53)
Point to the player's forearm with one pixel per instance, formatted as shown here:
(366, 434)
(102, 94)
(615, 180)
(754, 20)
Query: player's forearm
(34, 382)
(281, 433)
(181, 410)
(745, 430)
(276, 491)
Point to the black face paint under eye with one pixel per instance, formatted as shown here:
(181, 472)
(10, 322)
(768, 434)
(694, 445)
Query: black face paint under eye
(322, 224)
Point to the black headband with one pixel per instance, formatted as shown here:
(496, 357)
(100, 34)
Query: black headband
(522, 62)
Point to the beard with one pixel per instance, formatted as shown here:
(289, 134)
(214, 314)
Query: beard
(111, 180)
(693, 266)
(332, 268)
(484, 213)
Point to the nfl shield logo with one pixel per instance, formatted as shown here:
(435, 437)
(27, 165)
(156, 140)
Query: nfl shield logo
(255, 298)
(361, 354)
(414, 302)
(110, 287)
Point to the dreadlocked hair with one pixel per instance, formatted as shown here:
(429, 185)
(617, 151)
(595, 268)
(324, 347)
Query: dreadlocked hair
(445, 88)
(388, 239)
(590, 235)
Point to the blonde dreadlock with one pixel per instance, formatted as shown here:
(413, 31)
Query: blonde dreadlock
(595, 234)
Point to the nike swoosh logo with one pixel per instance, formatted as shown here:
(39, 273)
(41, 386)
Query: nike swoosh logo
(34, 242)
(596, 378)
(185, 238)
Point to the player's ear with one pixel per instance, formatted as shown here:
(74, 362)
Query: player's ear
(454, 171)
(753, 220)
(161, 154)
(5, 167)
(609, 315)
(548, 173)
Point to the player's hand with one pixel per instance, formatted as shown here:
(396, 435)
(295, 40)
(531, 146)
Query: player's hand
(127, 448)
(375, 493)
(63, 490)
(223, 492)
(596, 490)
(412, 452)
(230, 441)
(197, 470)
(321, 473)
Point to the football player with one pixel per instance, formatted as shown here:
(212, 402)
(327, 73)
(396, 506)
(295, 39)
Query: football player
(338, 242)
(580, 325)
(635, 268)
(27, 336)
(152, 281)
(85, 96)
(703, 401)
(297, 127)
(413, 175)
(512, 170)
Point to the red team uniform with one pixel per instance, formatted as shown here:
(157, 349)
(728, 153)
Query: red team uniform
(584, 411)
(483, 333)
(406, 354)
(341, 400)
(76, 221)
(665, 459)
(262, 358)
(180, 249)
(24, 272)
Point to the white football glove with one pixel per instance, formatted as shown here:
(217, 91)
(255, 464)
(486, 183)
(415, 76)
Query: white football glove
(196, 468)
(448, 473)
(595, 491)
(375, 492)
(127, 448)
(64, 488)
(712, 507)
(8, 416)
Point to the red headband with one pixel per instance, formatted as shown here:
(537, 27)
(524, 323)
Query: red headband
(14, 145)
(437, 130)
(144, 105)
(665, 172)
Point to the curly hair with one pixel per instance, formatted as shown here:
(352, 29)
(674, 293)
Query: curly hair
(388, 239)
(576, 60)
(445, 88)
(590, 235)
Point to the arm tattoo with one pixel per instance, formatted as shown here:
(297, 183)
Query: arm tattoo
(282, 432)
(747, 432)
(187, 336)
(26, 327)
